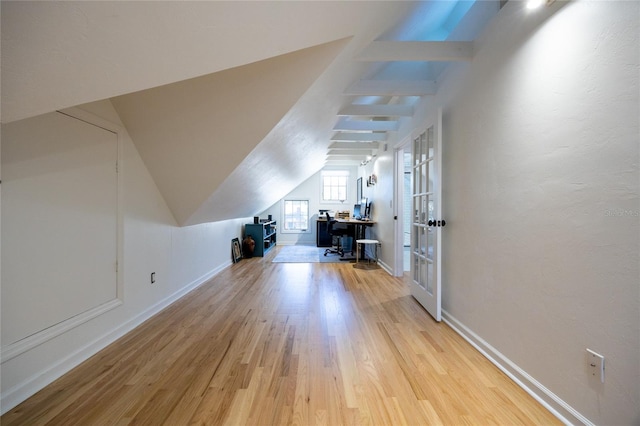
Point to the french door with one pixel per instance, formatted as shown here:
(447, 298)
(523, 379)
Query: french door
(426, 217)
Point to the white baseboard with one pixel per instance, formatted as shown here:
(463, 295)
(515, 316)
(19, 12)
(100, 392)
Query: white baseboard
(20, 392)
(385, 267)
(563, 411)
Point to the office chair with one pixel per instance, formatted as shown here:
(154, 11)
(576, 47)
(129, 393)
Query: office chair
(335, 231)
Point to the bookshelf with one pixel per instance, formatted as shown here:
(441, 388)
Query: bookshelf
(264, 234)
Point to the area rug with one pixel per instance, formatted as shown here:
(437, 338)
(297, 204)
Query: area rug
(307, 254)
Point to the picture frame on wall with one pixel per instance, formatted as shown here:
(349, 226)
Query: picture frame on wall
(359, 189)
(236, 250)
(372, 180)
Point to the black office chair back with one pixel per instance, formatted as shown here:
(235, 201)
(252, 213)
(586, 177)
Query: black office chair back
(332, 229)
(330, 223)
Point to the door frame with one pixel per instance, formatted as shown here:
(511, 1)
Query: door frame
(398, 202)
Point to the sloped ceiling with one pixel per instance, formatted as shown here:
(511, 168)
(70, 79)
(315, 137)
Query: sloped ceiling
(230, 104)
(193, 134)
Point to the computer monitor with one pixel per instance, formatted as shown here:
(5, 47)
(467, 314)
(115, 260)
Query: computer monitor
(364, 207)
(356, 211)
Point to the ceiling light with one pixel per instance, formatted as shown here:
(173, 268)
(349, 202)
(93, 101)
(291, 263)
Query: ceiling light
(534, 4)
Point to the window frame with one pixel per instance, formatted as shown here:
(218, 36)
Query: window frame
(283, 228)
(341, 173)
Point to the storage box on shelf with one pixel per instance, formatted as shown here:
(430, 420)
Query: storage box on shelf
(264, 234)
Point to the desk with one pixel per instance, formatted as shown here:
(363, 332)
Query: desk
(323, 239)
(359, 229)
(360, 226)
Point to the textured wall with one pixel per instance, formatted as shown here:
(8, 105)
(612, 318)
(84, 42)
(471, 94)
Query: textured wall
(541, 198)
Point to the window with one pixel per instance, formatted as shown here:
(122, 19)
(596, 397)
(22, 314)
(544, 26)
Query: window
(334, 185)
(296, 216)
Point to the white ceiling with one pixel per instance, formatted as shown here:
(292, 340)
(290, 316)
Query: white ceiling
(231, 105)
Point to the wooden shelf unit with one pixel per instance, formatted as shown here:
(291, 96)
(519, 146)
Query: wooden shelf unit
(264, 234)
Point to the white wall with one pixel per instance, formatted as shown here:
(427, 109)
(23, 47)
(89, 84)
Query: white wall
(310, 190)
(380, 196)
(69, 166)
(182, 258)
(540, 195)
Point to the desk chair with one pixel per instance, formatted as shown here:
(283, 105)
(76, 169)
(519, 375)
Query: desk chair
(336, 231)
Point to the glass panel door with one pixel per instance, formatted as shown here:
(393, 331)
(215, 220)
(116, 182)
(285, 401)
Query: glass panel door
(425, 229)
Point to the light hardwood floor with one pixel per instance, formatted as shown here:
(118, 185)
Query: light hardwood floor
(282, 343)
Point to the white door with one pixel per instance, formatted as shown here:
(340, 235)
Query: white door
(426, 218)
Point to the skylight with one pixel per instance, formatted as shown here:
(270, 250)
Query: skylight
(431, 21)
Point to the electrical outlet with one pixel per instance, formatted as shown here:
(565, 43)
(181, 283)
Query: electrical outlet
(153, 278)
(595, 364)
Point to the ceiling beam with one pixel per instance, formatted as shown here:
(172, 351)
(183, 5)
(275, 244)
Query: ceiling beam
(377, 110)
(354, 145)
(417, 51)
(342, 163)
(392, 88)
(357, 158)
(359, 137)
(350, 152)
(366, 125)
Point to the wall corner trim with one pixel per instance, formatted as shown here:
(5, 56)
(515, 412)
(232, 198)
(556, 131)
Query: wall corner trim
(28, 343)
(563, 411)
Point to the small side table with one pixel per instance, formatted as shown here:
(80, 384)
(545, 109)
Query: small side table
(376, 244)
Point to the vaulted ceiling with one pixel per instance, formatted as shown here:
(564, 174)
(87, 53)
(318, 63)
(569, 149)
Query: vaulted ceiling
(231, 105)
